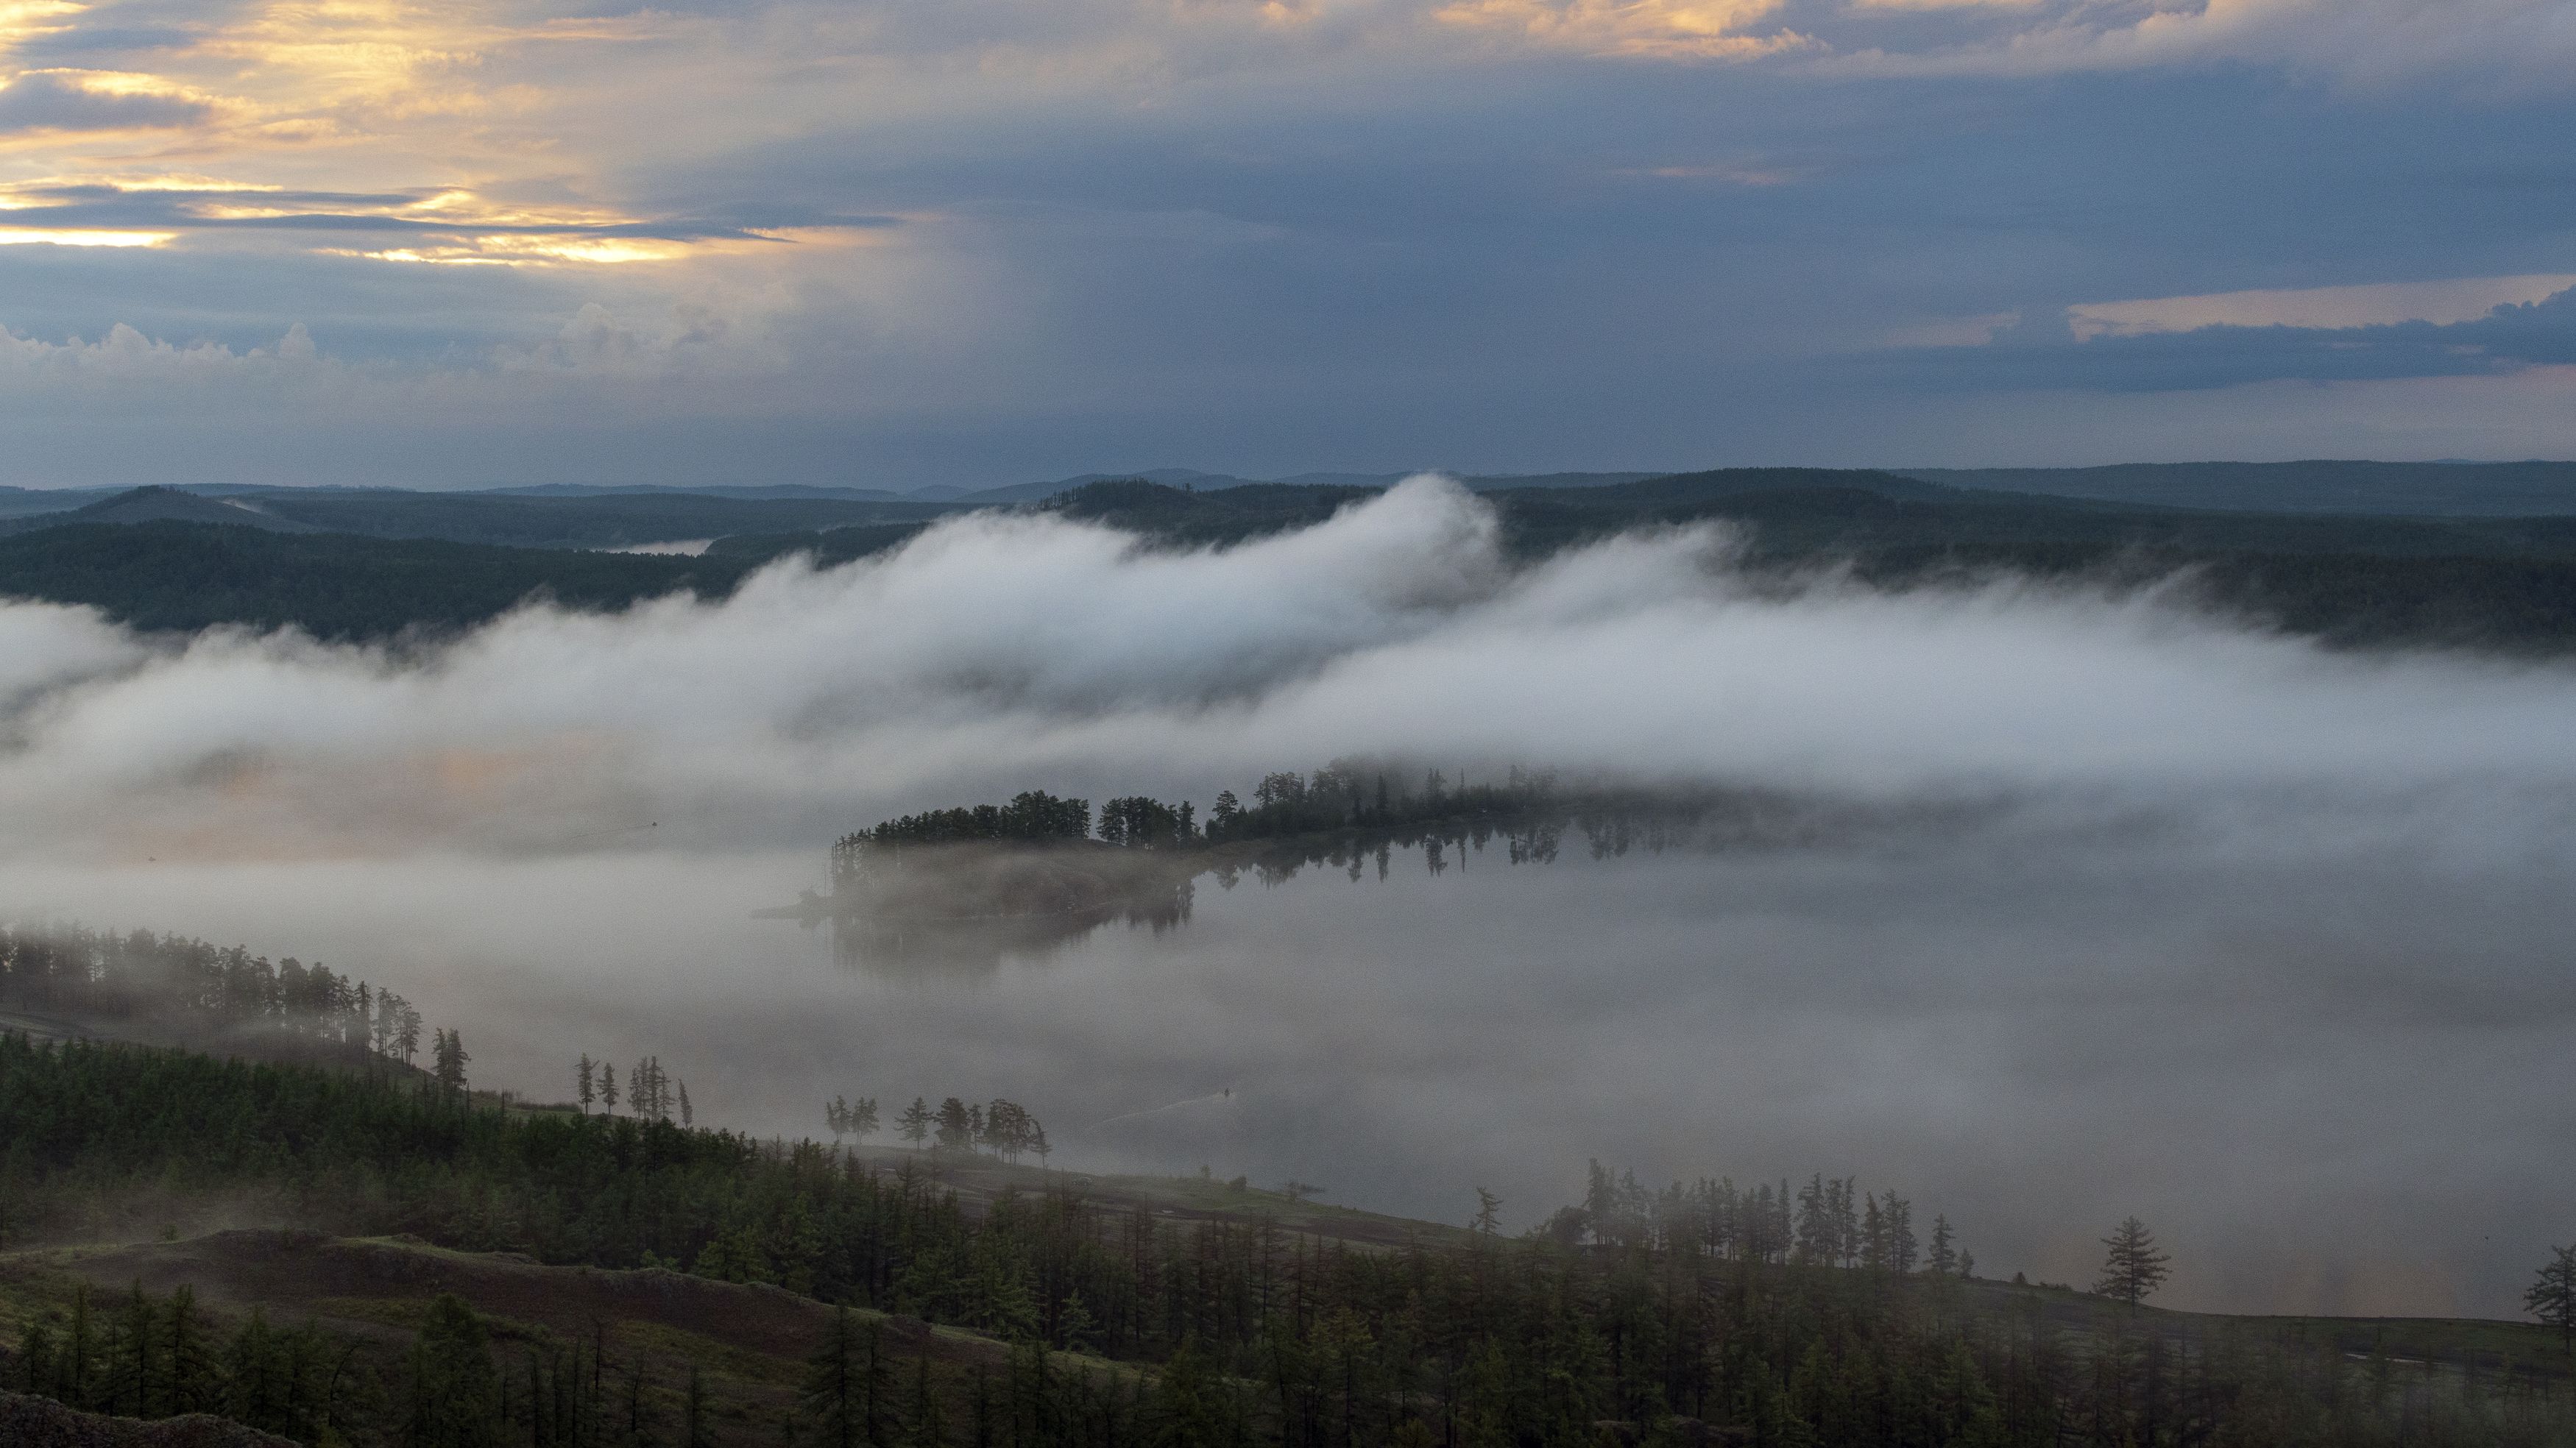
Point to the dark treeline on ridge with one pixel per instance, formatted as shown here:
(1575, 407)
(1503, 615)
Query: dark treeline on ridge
(362, 565)
(1704, 1312)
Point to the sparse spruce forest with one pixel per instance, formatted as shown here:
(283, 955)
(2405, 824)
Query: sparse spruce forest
(957, 1287)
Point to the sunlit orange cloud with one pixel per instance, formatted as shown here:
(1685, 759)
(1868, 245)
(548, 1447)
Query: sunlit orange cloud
(468, 228)
(22, 20)
(422, 114)
(1655, 29)
(533, 251)
(24, 236)
(370, 63)
(597, 251)
(123, 181)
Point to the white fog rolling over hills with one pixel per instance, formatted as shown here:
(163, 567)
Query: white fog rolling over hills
(2262, 941)
(1002, 653)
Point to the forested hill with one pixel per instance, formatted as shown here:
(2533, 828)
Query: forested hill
(2498, 583)
(530, 520)
(2504, 583)
(188, 576)
(2435, 489)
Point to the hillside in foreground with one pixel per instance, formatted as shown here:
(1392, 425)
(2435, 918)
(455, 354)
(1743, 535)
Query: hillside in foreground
(431, 1266)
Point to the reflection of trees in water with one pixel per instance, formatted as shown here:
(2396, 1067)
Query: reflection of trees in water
(966, 911)
(923, 946)
(1604, 831)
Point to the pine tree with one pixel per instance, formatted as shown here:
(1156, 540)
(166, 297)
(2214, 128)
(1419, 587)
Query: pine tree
(2552, 1297)
(259, 1386)
(608, 1087)
(35, 1359)
(929, 1425)
(1902, 1246)
(2133, 1269)
(914, 1124)
(455, 1395)
(1945, 1259)
(834, 1388)
(1074, 1328)
(73, 1367)
(688, 1113)
(1815, 1222)
(195, 1384)
(448, 1060)
(581, 1080)
(135, 1387)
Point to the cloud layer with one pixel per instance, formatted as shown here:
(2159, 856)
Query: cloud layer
(995, 654)
(988, 241)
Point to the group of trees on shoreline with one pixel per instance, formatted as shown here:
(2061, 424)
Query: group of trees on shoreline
(1033, 817)
(1386, 801)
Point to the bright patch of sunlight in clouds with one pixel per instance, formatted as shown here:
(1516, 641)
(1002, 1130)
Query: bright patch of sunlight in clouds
(2377, 304)
(1661, 29)
(38, 236)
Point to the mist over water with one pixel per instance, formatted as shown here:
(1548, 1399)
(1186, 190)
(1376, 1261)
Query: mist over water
(2264, 944)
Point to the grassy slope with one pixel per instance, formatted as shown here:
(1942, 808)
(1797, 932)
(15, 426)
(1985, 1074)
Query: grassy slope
(749, 1342)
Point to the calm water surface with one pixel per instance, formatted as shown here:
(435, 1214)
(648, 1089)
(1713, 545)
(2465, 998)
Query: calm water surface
(2333, 1077)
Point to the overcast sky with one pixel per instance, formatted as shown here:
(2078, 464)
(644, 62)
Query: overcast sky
(898, 242)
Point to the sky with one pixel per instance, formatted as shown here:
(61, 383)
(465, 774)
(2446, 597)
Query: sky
(890, 243)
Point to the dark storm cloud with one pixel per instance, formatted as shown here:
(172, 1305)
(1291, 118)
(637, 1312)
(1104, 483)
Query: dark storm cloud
(1370, 234)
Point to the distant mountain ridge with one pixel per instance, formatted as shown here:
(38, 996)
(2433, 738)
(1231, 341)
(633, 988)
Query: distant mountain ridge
(160, 505)
(1206, 482)
(2433, 490)
(582, 515)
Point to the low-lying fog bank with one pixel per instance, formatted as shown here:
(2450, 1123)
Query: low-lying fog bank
(2262, 943)
(2329, 1077)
